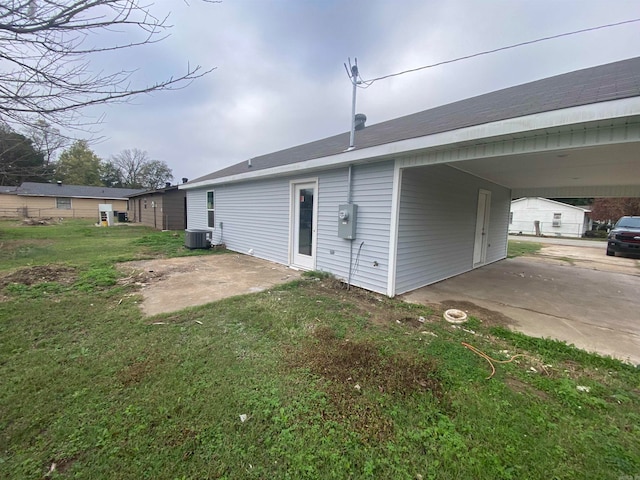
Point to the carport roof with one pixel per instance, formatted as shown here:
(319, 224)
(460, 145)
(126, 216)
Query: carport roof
(613, 81)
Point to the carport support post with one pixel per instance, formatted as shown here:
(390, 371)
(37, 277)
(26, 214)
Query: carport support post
(393, 231)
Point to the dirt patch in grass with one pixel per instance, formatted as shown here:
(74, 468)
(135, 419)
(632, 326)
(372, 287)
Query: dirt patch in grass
(59, 467)
(140, 367)
(140, 278)
(41, 274)
(357, 373)
(135, 372)
(40, 221)
(376, 307)
(519, 386)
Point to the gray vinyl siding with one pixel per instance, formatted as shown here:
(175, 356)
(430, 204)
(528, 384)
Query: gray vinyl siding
(438, 207)
(255, 217)
(371, 191)
(197, 208)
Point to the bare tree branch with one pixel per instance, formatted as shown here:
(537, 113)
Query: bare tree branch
(45, 63)
(135, 169)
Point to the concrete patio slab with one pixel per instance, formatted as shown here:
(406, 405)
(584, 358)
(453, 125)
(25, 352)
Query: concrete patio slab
(169, 285)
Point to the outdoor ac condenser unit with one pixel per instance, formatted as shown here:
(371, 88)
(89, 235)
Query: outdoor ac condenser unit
(195, 238)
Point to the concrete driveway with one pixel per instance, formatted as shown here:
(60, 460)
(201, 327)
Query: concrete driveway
(549, 296)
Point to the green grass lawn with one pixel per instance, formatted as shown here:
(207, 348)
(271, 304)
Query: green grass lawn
(517, 249)
(329, 383)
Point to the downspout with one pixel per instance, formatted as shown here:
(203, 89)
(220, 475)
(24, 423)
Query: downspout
(349, 184)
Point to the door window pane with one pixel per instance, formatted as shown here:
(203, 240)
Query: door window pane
(211, 216)
(305, 221)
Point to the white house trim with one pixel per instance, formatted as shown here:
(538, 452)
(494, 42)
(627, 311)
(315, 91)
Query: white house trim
(314, 226)
(611, 112)
(393, 229)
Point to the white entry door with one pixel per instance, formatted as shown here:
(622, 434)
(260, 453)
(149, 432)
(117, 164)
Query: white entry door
(303, 225)
(482, 228)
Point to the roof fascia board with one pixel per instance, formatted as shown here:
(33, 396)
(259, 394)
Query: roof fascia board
(70, 196)
(151, 192)
(519, 125)
(555, 202)
(561, 204)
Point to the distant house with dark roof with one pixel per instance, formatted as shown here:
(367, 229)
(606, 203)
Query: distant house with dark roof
(162, 208)
(59, 200)
(427, 196)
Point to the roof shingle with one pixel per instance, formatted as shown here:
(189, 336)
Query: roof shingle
(603, 83)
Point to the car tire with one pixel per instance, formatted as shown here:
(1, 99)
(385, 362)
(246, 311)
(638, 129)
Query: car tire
(610, 253)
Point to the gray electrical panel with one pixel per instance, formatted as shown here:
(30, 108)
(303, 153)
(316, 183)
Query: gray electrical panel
(347, 215)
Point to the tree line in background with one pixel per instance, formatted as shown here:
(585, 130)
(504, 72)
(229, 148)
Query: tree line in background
(31, 157)
(611, 209)
(606, 210)
(47, 80)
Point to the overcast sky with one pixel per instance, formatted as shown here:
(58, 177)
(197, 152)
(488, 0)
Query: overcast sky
(280, 80)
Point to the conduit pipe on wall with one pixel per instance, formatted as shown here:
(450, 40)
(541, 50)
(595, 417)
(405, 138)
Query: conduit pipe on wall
(351, 240)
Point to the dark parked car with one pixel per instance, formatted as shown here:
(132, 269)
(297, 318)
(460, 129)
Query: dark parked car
(625, 237)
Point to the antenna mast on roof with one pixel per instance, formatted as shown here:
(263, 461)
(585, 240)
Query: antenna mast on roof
(352, 72)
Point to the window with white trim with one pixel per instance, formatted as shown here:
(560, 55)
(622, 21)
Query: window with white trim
(557, 220)
(63, 203)
(211, 209)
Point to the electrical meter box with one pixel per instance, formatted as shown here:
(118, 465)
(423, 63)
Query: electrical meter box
(347, 215)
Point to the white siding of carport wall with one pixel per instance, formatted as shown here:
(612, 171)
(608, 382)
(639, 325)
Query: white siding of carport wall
(526, 211)
(254, 217)
(372, 186)
(436, 230)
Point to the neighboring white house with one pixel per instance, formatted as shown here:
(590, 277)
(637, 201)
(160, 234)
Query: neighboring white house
(535, 215)
(427, 196)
